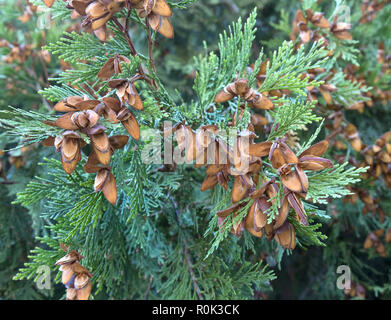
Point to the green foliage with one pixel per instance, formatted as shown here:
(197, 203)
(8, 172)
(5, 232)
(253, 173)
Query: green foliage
(331, 183)
(348, 93)
(162, 240)
(293, 115)
(13, 121)
(287, 65)
(234, 54)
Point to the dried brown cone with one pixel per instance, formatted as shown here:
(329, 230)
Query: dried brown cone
(69, 145)
(100, 143)
(157, 13)
(126, 91)
(341, 29)
(83, 114)
(48, 3)
(351, 133)
(112, 66)
(75, 277)
(378, 157)
(216, 174)
(369, 10)
(317, 19)
(256, 219)
(300, 27)
(122, 114)
(241, 88)
(258, 121)
(286, 236)
(373, 241)
(187, 141)
(79, 114)
(284, 160)
(98, 13)
(104, 180)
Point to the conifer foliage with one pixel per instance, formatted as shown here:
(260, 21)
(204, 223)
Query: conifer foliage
(261, 152)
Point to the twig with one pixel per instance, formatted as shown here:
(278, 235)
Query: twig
(333, 134)
(7, 182)
(133, 51)
(187, 255)
(149, 288)
(150, 44)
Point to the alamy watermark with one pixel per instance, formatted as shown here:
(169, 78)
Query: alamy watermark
(344, 280)
(43, 281)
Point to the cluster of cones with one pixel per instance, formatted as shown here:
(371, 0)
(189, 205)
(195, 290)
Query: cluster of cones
(300, 27)
(75, 277)
(370, 9)
(82, 115)
(243, 163)
(81, 119)
(373, 240)
(254, 99)
(18, 52)
(378, 158)
(96, 13)
(346, 131)
(294, 184)
(240, 88)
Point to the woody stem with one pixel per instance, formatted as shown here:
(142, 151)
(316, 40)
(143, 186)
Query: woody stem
(186, 252)
(150, 44)
(133, 51)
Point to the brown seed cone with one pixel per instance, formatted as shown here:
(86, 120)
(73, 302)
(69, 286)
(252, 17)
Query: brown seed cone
(209, 182)
(224, 96)
(100, 143)
(118, 142)
(317, 149)
(314, 163)
(65, 122)
(250, 224)
(105, 182)
(134, 99)
(48, 3)
(297, 205)
(261, 149)
(280, 154)
(295, 180)
(226, 212)
(112, 66)
(70, 165)
(71, 294)
(162, 25)
(260, 217)
(69, 258)
(283, 214)
(67, 273)
(286, 236)
(84, 293)
(258, 121)
(81, 280)
(239, 190)
(131, 125)
(260, 101)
